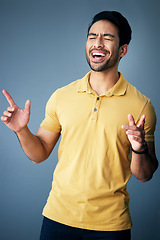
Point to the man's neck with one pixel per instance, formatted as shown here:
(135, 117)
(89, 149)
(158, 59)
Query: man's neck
(102, 82)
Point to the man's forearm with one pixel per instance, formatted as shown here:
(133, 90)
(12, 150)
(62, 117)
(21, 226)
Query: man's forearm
(32, 145)
(143, 166)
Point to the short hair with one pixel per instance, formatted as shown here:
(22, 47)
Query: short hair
(124, 29)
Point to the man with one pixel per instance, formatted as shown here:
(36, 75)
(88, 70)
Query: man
(89, 199)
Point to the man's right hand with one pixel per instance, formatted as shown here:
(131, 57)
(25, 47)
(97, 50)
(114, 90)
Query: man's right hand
(15, 118)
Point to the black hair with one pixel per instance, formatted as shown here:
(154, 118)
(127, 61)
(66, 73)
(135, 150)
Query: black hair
(124, 29)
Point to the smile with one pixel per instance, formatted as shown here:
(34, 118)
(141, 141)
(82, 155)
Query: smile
(94, 55)
(98, 55)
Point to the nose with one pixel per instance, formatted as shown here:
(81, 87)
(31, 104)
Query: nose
(99, 42)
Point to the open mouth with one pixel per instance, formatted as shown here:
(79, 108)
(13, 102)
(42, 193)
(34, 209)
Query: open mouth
(98, 55)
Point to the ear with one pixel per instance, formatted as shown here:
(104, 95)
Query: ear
(123, 50)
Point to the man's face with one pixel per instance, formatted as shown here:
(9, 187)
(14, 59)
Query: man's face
(102, 47)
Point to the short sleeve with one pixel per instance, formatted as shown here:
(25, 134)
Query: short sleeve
(150, 121)
(51, 121)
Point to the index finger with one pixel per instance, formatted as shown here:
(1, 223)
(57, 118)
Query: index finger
(141, 121)
(131, 120)
(9, 98)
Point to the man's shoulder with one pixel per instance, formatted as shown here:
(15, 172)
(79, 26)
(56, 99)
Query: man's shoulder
(62, 93)
(73, 86)
(69, 87)
(133, 92)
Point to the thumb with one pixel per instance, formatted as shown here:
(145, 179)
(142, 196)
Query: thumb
(27, 106)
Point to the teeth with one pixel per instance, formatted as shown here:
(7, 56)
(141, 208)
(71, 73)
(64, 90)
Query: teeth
(99, 54)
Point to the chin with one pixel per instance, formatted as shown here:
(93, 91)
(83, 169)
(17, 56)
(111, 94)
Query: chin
(100, 68)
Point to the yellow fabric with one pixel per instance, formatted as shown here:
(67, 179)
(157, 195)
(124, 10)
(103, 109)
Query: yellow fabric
(89, 183)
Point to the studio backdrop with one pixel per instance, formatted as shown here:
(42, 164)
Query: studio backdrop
(42, 48)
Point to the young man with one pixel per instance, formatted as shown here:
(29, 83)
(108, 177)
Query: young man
(100, 118)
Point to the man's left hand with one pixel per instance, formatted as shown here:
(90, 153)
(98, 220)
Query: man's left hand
(135, 133)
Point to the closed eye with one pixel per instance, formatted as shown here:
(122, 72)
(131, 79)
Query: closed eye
(108, 39)
(92, 38)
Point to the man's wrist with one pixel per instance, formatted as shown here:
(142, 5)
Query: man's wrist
(144, 151)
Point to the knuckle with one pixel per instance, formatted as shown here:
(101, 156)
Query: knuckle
(139, 134)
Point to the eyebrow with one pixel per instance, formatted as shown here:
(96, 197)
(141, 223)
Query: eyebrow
(105, 35)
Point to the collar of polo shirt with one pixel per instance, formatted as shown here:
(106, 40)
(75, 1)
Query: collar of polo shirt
(118, 89)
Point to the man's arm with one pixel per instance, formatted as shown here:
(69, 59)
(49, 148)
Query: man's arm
(37, 147)
(143, 165)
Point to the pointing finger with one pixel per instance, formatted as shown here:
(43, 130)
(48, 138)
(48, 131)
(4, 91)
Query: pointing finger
(132, 125)
(141, 121)
(131, 120)
(9, 98)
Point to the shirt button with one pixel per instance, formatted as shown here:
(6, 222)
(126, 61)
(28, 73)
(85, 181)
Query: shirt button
(95, 109)
(97, 98)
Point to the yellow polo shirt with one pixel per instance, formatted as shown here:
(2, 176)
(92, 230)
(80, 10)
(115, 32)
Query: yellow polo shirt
(89, 181)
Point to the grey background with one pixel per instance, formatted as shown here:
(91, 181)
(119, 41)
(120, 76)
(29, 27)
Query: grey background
(42, 48)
